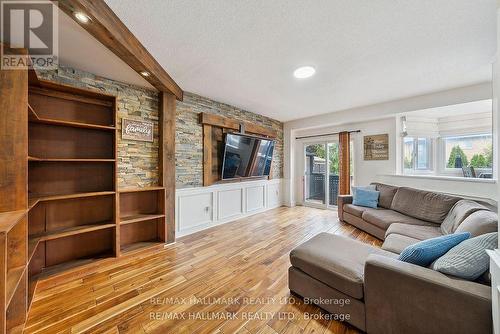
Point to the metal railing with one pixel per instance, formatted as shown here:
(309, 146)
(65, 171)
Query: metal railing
(315, 183)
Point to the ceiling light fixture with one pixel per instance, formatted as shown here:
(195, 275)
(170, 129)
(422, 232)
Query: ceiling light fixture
(81, 17)
(304, 72)
(144, 73)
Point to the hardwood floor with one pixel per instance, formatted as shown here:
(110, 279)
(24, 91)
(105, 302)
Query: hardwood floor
(226, 265)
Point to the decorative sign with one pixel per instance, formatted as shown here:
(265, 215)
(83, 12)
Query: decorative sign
(137, 130)
(376, 147)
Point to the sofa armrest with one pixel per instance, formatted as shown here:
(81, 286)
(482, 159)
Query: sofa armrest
(404, 298)
(341, 200)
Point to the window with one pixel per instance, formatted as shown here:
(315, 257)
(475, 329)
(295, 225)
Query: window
(464, 152)
(454, 140)
(417, 154)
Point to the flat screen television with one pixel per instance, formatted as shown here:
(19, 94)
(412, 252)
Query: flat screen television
(246, 156)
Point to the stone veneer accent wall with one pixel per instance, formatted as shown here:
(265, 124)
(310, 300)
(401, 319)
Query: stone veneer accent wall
(138, 161)
(189, 137)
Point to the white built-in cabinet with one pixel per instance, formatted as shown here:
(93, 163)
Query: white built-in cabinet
(204, 207)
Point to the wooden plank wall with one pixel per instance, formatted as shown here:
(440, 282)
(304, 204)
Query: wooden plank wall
(13, 140)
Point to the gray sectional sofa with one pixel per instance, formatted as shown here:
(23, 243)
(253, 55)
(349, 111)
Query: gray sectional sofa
(372, 290)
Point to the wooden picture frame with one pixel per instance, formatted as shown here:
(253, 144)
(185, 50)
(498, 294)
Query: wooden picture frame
(376, 147)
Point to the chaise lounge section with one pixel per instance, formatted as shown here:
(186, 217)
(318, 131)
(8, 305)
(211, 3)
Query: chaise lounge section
(372, 290)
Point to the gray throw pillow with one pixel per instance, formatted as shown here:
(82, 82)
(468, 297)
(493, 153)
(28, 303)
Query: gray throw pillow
(468, 259)
(479, 222)
(460, 211)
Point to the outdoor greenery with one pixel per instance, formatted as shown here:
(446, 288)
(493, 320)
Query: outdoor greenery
(478, 160)
(319, 151)
(457, 151)
(334, 159)
(408, 162)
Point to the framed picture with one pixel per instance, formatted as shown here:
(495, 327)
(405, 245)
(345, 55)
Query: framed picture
(137, 130)
(376, 147)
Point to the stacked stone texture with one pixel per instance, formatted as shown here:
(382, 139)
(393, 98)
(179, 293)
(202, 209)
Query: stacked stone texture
(138, 161)
(189, 136)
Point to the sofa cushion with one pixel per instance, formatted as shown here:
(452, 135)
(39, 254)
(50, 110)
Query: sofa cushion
(479, 222)
(355, 210)
(387, 193)
(424, 252)
(414, 231)
(383, 218)
(395, 243)
(468, 260)
(424, 205)
(336, 261)
(461, 210)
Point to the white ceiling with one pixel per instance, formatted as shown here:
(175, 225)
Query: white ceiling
(365, 52)
(476, 107)
(79, 49)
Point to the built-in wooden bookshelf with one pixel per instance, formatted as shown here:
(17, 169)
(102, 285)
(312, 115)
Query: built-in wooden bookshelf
(142, 218)
(71, 178)
(13, 231)
(59, 202)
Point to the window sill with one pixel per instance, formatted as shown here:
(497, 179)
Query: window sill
(445, 178)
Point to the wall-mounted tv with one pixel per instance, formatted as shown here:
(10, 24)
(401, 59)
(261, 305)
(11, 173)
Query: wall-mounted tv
(246, 156)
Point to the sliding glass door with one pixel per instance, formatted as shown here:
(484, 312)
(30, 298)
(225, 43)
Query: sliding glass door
(333, 172)
(321, 173)
(315, 174)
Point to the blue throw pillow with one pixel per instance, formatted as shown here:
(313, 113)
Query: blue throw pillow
(368, 198)
(354, 189)
(423, 253)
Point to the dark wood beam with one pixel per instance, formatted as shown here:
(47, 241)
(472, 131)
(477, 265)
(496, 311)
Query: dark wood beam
(13, 140)
(167, 106)
(227, 123)
(108, 29)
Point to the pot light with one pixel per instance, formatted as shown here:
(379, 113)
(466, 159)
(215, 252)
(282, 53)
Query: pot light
(144, 73)
(81, 17)
(304, 72)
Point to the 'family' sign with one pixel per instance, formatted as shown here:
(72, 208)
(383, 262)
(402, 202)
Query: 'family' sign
(137, 130)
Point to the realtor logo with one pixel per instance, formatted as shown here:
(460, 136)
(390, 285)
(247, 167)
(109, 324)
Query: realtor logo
(29, 26)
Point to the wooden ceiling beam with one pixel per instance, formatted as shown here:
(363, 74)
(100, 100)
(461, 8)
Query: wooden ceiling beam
(108, 29)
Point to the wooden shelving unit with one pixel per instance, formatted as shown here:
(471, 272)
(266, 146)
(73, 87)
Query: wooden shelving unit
(13, 200)
(76, 214)
(63, 212)
(72, 187)
(142, 218)
(13, 232)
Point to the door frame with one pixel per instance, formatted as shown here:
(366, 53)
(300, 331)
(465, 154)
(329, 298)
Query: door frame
(323, 142)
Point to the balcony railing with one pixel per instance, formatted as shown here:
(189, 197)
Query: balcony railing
(315, 183)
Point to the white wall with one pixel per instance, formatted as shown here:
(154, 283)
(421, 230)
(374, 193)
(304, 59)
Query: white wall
(363, 170)
(380, 118)
(200, 208)
(482, 189)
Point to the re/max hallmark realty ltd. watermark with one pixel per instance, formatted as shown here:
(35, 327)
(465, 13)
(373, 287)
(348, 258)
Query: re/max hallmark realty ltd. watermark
(29, 31)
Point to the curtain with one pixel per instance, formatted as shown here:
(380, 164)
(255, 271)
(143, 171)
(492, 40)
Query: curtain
(344, 164)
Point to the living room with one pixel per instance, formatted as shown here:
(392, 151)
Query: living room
(249, 167)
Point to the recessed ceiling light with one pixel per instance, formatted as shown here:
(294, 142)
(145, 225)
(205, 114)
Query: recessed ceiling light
(304, 72)
(144, 73)
(81, 17)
